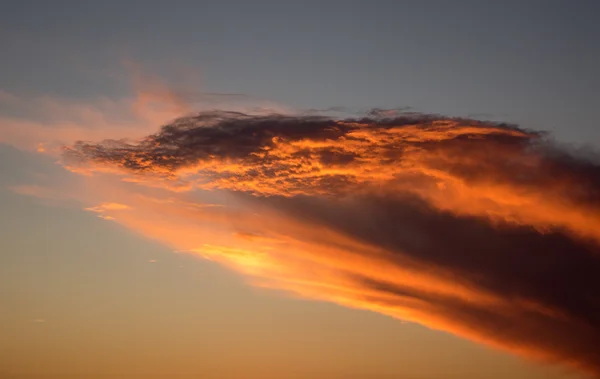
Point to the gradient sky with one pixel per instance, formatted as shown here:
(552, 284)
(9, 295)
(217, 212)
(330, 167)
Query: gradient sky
(86, 298)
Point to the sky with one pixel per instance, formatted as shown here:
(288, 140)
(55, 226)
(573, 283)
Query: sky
(262, 233)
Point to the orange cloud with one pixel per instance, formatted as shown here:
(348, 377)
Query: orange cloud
(102, 210)
(504, 177)
(108, 207)
(484, 230)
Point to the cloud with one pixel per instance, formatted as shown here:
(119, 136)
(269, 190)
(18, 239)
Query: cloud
(35, 190)
(108, 207)
(43, 123)
(481, 229)
(47, 193)
(102, 210)
(466, 167)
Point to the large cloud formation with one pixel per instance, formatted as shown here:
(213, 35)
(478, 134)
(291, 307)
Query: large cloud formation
(481, 229)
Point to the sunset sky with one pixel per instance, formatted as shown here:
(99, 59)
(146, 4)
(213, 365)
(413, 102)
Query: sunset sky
(298, 189)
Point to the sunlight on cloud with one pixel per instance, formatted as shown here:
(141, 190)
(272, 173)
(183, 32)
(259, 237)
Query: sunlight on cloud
(480, 229)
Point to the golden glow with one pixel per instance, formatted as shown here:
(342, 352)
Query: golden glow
(457, 169)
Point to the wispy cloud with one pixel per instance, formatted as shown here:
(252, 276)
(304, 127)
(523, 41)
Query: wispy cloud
(108, 207)
(105, 208)
(481, 229)
(35, 190)
(43, 123)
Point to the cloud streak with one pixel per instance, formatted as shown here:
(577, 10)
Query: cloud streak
(43, 123)
(482, 229)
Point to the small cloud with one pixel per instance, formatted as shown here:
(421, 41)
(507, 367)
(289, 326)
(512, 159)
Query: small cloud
(152, 261)
(38, 320)
(102, 208)
(108, 207)
(34, 191)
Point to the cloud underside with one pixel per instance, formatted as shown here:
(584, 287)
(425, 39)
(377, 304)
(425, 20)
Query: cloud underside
(481, 229)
